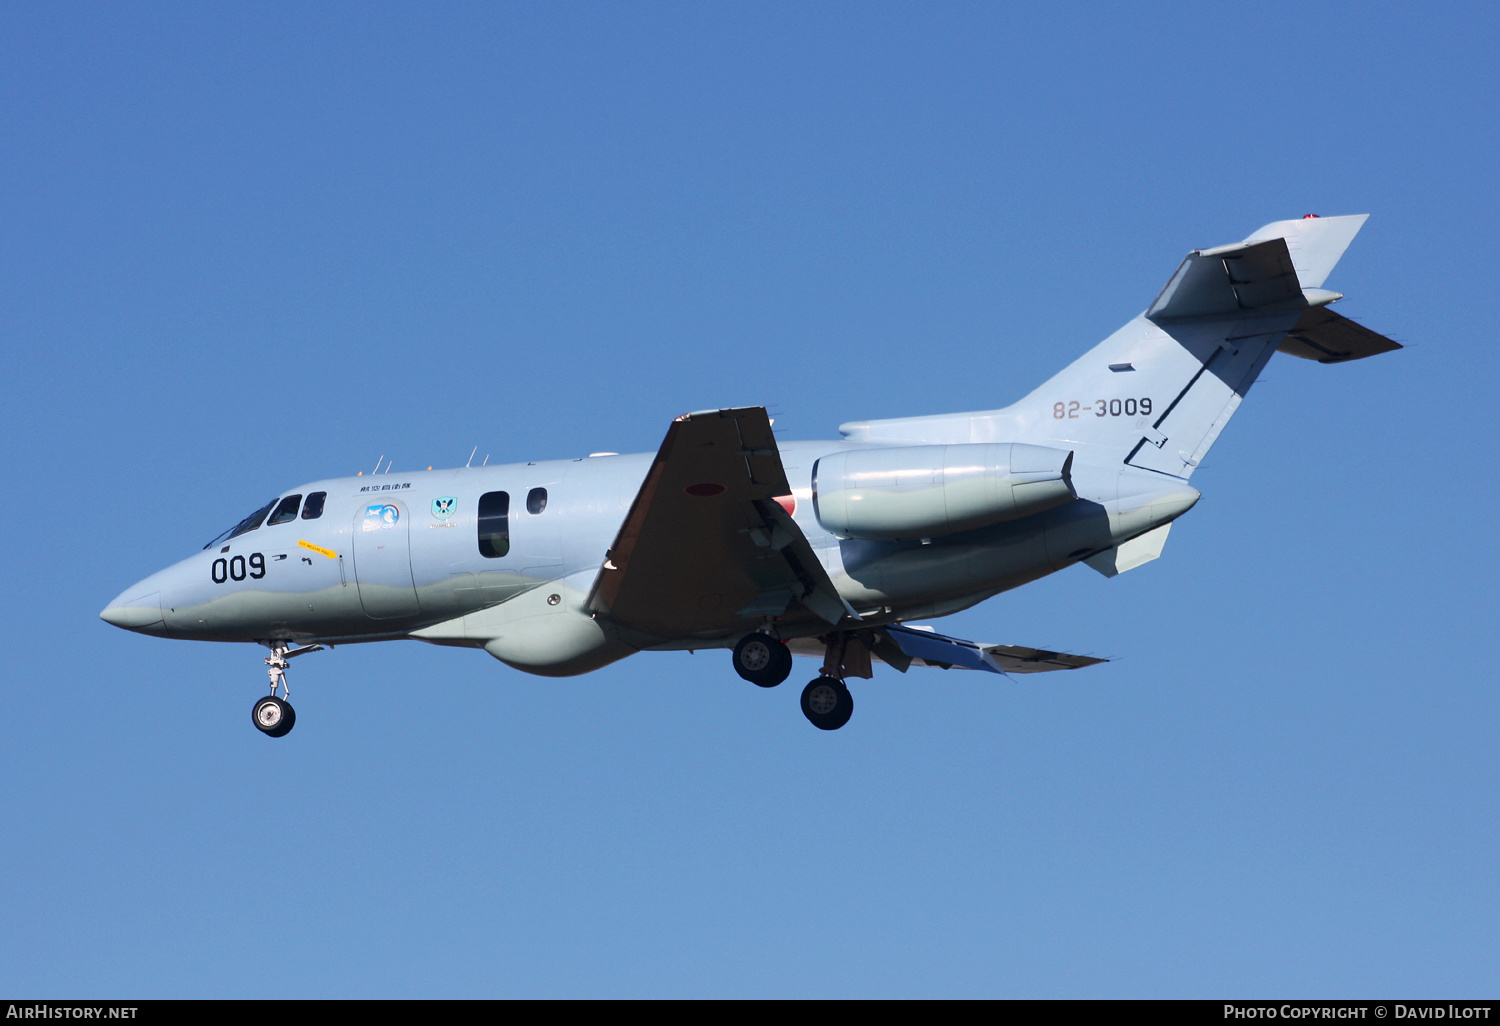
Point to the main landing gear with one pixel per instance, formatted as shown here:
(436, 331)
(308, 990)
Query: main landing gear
(764, 660)
(826, 703)
(274, 716)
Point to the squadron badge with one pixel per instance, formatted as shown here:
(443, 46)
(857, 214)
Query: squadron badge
(380, 518)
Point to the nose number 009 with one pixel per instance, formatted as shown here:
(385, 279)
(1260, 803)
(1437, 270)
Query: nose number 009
(234, 569)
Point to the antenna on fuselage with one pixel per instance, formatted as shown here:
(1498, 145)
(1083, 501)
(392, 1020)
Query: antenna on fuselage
(471, 456)
(377, 465)
(486, 459)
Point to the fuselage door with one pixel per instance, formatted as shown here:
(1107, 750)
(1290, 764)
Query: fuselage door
(382, 560)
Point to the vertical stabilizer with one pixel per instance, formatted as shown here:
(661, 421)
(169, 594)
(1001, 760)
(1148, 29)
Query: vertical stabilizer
(1156, 394)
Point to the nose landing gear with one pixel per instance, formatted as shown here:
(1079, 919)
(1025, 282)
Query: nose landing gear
(274, 716)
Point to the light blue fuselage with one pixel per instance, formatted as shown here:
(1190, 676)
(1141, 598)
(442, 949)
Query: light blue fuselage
(360, 573)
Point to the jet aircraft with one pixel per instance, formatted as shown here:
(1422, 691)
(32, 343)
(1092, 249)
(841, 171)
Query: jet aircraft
(728, 537)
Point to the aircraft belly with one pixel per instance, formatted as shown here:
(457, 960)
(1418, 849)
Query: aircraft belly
(546, 631)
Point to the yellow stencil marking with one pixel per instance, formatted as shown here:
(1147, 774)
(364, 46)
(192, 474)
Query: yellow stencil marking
(320, 550)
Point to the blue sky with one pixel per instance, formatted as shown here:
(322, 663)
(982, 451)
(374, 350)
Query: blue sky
(250, 247)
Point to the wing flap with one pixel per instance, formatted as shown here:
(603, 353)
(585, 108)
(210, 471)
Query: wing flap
(705, 549)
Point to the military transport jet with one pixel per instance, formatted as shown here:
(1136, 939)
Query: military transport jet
(727, 537)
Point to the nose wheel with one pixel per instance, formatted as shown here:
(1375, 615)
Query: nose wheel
(274, 716)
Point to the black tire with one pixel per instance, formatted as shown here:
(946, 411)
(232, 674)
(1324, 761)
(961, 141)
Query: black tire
(273, 717)
(827, 704)
(762, 660)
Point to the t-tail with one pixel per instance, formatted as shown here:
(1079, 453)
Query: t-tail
(1156, 393)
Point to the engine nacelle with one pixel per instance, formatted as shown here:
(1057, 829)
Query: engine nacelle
(925, 491)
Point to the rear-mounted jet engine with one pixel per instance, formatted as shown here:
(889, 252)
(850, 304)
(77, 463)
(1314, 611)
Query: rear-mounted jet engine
(927, 491)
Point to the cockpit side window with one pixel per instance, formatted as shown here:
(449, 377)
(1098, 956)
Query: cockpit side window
(287, 510)
(314, 508)
(250, 523)
(494, 524)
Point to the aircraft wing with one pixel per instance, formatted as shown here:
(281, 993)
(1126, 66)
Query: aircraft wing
(901, 647)
(706, 549)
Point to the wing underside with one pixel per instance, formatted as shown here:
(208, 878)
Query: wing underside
(902, 647)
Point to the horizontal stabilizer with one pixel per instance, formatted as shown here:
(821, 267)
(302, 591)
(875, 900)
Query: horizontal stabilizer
(1327, 337)
(1230, 279)
(1273, 268)
(1316, 243)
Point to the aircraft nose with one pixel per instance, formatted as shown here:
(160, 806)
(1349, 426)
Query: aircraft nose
(135, 609)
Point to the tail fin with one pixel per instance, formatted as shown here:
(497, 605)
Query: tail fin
(1156, 393)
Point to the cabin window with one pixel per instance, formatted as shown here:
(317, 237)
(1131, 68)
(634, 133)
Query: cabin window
(314, 508)
(494, 524)
(536, 500)
(287, 510)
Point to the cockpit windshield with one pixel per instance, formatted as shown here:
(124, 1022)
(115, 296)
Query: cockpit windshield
(250, 523)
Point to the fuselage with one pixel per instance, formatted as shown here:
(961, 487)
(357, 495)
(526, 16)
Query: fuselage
(729, 537)
(424, 554)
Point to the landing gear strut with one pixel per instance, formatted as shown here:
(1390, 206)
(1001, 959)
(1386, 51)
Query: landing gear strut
(762, 659)
(274, 716)
(826, 701)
